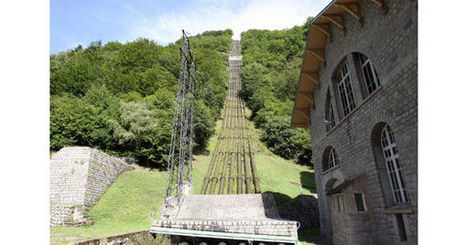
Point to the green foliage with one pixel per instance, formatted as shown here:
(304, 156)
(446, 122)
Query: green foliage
(283, 140)
(271, 68)
(72, 74)
(162, 99)
(214, 40)
(136, 131)
(203, 124)
(120, 97)
(74, 121)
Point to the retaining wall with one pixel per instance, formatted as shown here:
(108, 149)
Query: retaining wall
(135, 238)
(78, 178)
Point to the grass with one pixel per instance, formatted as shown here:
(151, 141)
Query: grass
(125, 206)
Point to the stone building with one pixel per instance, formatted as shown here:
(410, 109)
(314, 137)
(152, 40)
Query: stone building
(357, 93)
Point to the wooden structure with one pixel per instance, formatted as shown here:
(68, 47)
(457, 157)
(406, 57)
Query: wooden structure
(314, 55)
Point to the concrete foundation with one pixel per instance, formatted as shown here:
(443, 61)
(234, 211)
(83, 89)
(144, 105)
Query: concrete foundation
(252, 217)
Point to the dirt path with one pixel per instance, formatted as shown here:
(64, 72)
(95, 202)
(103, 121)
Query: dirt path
(232, 169)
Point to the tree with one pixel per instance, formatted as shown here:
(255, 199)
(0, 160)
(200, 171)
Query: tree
(74, 121)
(136, 131)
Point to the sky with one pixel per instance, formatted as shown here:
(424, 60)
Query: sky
(75, 22)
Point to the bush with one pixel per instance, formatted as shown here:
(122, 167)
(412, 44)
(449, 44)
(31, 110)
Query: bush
(287, 142)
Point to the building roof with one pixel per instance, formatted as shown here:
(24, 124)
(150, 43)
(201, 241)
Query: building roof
(313, 57)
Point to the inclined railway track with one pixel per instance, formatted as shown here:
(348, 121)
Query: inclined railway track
(232, 168)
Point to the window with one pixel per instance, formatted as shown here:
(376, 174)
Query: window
(330, 159)
(329, 117)
(401, 227)
(359, 201)
(393, 165)
(338, 202)
(344, 84)
(368, 73)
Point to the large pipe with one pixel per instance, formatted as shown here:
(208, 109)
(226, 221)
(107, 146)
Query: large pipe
(213, 159)
(232, 160)
(239, 161)
(226, 157)
(253, 166)
(227, 114)
(216, 174)
(246, 162)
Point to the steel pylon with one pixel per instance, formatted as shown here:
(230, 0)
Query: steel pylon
(179, 177)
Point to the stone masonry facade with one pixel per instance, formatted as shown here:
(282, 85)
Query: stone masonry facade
(78, 178)
(388, 37)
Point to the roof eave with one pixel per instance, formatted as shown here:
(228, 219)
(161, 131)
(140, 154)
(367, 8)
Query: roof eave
(292, 124)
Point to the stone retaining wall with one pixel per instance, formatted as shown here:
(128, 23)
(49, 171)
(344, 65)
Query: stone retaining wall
(258, 227)
(305, 210)
(135, 238)
(78, 178)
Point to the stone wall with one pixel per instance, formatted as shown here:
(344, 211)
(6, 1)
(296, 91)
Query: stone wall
(304, 210)
(259, 227)
(135, 238)
(78, 177)
(388, 37)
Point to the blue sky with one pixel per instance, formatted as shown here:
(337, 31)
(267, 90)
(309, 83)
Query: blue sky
(74, 22)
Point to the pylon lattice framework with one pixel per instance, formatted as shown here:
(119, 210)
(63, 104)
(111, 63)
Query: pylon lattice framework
(181, 143)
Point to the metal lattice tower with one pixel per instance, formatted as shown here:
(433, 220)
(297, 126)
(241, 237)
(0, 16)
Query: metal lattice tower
(179, 178)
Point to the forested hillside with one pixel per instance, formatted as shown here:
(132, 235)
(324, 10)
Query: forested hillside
(120, 97)
(271, 68)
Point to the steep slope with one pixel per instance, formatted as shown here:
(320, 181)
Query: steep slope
(126, 204)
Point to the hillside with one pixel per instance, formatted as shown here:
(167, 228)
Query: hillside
(119, 98)
(126, 204)
(271, 67)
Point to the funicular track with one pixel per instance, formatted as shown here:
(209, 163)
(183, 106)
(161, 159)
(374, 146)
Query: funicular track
(232, 169)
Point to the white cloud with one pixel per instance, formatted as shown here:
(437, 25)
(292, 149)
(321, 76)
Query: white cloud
(259, 14)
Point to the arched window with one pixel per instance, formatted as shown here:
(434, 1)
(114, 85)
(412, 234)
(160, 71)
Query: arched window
(330, 159)
(345, 87)
(368, 72)
(393, 165)
(329, 113)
